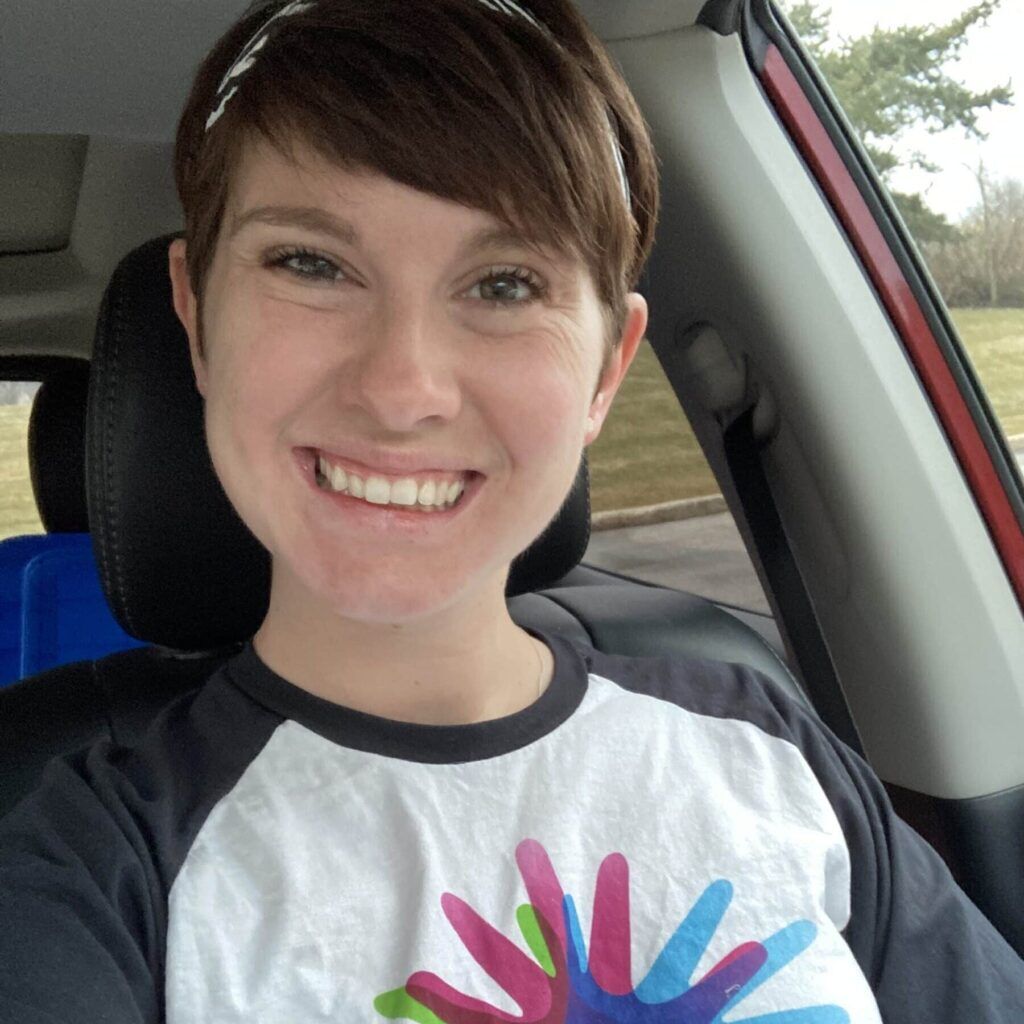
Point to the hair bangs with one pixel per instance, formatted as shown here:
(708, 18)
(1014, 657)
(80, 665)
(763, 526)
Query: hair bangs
(448, 98)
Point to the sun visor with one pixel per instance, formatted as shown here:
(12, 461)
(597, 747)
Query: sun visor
(117, 68)
(40, 176)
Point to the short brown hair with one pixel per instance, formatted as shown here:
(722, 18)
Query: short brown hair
(445, 96)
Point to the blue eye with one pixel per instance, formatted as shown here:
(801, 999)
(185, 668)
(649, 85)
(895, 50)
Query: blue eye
(308, 265)
(508, 286)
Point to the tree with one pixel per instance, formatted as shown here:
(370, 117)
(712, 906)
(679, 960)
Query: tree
(892, 79)
(924, 224)
(988, 228)
(984, 264)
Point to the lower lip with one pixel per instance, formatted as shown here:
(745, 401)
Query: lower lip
(385, 517)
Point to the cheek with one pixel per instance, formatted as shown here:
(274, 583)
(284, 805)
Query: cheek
(538, 408)
(558, 385)
(259, 367)
(247, 402)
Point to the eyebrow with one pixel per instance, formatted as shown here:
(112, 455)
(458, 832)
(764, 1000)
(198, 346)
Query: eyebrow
(309, 218)
(501, 236)
(313, 218)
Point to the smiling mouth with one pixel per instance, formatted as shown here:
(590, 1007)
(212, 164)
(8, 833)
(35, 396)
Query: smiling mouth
(427, 493)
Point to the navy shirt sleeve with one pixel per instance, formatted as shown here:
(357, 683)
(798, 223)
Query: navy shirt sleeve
(927, 951)
(80, 908)
(87, 861)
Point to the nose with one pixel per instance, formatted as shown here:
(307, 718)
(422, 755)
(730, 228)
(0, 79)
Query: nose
(405, 371)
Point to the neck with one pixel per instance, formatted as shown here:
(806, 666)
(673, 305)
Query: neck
(467, 663)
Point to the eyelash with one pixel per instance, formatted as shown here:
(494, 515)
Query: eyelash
(279, 258)
(520, 274)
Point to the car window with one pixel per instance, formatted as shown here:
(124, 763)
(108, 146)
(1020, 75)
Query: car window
(657, 514)
(946, 145)
(18, 513)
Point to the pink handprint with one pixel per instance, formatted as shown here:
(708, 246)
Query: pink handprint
(565, 988)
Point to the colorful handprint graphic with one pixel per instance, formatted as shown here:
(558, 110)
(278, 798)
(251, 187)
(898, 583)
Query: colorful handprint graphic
(567, 982)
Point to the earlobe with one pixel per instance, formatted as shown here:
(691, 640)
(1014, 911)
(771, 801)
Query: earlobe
(186, 307)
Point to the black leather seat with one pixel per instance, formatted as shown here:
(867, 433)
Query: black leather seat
(182, 573)
(56, 448)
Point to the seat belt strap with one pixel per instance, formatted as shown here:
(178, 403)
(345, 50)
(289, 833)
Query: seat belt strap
(799, 623)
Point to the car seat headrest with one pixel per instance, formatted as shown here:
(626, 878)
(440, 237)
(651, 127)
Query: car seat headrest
(56, 448)
(178, 566)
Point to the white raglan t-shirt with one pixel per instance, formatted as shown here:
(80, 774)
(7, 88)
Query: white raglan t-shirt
(654, 841)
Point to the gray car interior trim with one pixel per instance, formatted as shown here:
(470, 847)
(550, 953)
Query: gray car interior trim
(40, 176)
(100, 88)
(49, 300)
(748, 245)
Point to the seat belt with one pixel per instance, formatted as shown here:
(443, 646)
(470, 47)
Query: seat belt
(799, 622)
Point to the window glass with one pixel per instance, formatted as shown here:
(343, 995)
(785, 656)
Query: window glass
(18, 513)
(928, 85)
(647, 465)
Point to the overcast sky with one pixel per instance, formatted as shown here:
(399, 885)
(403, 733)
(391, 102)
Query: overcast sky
(993, 56)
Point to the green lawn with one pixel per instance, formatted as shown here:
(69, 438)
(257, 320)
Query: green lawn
(17, 506)
(646, 453)
(995, 342)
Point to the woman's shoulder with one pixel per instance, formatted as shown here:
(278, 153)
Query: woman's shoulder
(144, 795)
(701, 685)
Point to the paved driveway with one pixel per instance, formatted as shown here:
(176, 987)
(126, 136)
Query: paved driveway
(703, 556)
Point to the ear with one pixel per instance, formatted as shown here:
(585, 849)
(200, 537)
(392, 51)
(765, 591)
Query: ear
(618, 363)
(187, 308)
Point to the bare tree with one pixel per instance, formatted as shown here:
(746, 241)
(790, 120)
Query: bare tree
(984, 264)
(988, 241)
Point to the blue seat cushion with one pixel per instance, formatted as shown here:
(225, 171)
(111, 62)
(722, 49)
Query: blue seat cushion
(52, 609)
(15, 554)
(65, 616)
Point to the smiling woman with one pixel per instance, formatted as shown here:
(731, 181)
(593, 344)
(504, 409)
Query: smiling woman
(311, 173)
(349, 319)
(413, 234)
(381, 249)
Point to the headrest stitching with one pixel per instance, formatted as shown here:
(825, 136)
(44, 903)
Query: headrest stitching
(108, 435)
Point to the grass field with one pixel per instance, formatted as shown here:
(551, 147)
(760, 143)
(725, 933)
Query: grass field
(995, 341)
(17, 506)
(646, 453)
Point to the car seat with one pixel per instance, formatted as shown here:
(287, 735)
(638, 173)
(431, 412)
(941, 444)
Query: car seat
(52, 607)
(182, 572)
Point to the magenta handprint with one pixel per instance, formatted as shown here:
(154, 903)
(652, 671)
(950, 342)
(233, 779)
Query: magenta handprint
(565, 984)
(541, 996)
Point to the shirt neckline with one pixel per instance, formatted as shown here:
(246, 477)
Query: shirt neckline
(409, 741)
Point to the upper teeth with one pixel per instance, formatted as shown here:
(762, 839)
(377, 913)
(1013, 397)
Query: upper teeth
(379, 491)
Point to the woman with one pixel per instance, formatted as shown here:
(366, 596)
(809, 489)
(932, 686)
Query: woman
(412, 230)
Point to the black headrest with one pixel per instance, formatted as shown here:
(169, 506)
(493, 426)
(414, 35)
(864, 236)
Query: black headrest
(56, 448)
(178, 566)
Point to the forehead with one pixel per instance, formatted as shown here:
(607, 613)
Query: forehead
(298, 187)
